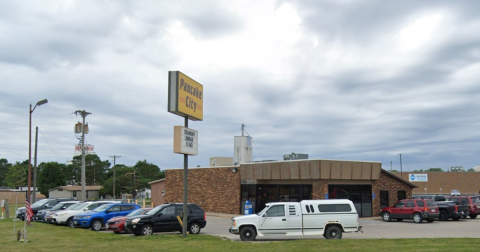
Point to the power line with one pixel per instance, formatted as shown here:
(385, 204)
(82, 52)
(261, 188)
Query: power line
(48, 144)
(261, 155)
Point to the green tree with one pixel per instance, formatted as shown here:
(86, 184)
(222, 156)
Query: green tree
(147, 172)
(4, 165)
(16, 175)
(123, 181)
(435, 169)
(51, 176)
(95, 170)
(471, 170)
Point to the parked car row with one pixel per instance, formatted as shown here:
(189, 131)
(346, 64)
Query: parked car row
(431, 207)
(121, 217)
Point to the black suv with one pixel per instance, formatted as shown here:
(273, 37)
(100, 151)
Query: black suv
(163, 218)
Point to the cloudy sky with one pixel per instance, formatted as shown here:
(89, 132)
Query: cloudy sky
(348, 80)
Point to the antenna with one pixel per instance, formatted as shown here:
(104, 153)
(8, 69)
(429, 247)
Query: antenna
(243, 128)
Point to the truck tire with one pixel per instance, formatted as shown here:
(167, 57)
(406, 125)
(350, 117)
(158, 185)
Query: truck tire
(333, 232)
(473, 216)
(194, 228)
(96, 225)
(443, 215)
(386, 216)
(247, 234)
(417, 218)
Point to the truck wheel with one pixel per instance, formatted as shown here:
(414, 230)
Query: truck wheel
(247, 234)
(386, 216)
(194, 228)
(473, 216)
(443, 215)
(96, 225)
(333, 232)
(146, 230)
(417, 218)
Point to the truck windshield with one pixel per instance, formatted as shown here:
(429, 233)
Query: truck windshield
(263, 211)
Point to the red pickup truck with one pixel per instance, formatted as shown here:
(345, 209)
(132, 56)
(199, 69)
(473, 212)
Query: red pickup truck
(416, 209)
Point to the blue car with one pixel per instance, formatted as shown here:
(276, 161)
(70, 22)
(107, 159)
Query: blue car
(98, 217)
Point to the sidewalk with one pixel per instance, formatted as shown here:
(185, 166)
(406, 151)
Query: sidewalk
(225, 215)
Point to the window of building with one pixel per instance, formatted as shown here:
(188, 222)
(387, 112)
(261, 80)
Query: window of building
(402, 195)
(383, 199)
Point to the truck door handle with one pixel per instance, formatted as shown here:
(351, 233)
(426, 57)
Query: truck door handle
(284, 219)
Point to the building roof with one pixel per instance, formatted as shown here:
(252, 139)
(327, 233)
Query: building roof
(156, 181)
(399, 178)
(77, 188)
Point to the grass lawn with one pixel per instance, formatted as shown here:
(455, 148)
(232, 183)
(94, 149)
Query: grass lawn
(47, 237)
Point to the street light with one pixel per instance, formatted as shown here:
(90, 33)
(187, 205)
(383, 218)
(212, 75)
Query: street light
(30, 111)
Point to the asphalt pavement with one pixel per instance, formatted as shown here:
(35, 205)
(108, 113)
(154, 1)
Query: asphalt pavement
(373, 228)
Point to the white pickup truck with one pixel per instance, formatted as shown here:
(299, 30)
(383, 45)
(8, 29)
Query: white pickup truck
(329, 218)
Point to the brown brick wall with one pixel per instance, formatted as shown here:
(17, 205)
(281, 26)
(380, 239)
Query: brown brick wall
(388, 183)
(214, 189)
(465, 182)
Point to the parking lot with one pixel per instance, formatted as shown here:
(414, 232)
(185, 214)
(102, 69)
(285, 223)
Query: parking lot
(373, 228)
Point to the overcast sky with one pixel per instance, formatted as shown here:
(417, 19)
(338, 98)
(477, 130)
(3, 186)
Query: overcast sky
(345, 80)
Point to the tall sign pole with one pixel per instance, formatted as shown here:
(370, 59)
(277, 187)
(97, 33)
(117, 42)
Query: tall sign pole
(185, 98)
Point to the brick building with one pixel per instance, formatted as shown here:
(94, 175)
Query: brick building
(468, 183)
(226, 189)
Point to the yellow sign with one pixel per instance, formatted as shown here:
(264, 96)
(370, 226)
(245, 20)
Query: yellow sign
(185, 96)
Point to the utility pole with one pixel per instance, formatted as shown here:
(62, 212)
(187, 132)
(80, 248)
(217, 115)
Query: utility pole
(114, 158)
(401, 169)
(34, 196)
(84, 114)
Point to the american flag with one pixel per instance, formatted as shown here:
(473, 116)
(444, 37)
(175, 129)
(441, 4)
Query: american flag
(28, 210)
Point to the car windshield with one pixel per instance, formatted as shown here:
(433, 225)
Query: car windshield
(156, 209)
(58, 206)
(136, 212)
(101, 208)
(73, 206)
(78, 206)
(40, 203)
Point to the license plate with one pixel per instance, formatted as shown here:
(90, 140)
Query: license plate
(433, 210)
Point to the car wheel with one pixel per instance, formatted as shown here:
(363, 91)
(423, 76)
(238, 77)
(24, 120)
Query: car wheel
(70, 222)
(399, 220)
(473, 216)
(96, 225)
(333, 232)
(386, 216)
(146, 230)
(194, 228)
(443, 215)
(247, 234)
(417, 218)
